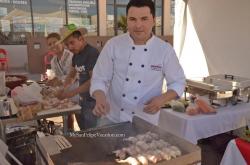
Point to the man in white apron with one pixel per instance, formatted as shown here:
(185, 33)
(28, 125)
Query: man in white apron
(128, 76)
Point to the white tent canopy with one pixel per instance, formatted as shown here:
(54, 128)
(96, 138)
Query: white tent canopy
(213, 37)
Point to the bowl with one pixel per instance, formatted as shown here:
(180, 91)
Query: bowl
(13, 81)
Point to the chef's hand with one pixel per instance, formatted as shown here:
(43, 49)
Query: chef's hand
(154, 104)
(102, 107)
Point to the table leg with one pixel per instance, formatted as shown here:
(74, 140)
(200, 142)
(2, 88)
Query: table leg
(65, 124)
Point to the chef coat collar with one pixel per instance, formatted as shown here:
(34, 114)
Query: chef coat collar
(147, 43)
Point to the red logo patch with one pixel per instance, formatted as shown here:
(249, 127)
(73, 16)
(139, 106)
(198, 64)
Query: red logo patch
(156, 67)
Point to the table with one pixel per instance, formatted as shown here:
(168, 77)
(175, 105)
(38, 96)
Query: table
(193, 128)
(59, 112)
(50, 113)
(237, 152)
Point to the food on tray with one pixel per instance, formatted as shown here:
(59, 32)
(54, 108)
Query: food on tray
(28, 112)
(13, 81)
(54, 82)
(12, 78)
(145, 148)
(50, 103)
(129, 160)
(192, 110)
(142, 159)
(177, 106)
(50, 92)
(51, 98)
(47, 91)
(204, 106)
(184, 102)
(200, 106)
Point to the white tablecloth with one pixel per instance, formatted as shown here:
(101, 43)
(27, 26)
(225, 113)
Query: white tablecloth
(232, 155)
(193, 128)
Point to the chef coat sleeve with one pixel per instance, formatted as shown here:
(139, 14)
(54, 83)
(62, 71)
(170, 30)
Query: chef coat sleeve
(103, 70)
(173, 72)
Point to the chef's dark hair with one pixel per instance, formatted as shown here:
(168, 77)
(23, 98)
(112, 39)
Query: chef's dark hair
(142, 3)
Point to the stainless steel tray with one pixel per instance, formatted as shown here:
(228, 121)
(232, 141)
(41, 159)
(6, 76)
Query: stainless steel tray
(228, 81)
(202, 88)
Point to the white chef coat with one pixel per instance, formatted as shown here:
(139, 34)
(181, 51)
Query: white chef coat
(130, 75)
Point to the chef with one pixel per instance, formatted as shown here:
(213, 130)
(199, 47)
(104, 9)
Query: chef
(128, 76)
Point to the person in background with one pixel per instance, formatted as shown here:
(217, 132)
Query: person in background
(60, 63)
(3, 60)
(83, 62)
(128, 77)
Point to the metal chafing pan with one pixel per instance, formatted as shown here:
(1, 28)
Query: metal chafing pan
(98, 150)
(203, 88)
(228, 81)
(239, 85)
(228, 87)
